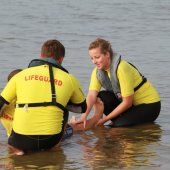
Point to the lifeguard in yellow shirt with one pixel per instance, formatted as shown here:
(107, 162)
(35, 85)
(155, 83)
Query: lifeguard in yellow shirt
(128, 99)
(44, 93)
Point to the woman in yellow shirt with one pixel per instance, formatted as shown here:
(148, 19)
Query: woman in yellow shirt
(129, 98)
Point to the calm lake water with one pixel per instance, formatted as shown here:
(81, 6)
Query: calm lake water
(138, 30)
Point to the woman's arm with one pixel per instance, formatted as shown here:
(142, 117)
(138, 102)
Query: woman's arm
(91, 100)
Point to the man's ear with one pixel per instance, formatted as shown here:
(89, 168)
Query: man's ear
(60, 60)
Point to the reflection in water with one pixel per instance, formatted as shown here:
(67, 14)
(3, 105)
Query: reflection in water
(46, 160)
(5, 162)
(139, 30)
(122, 147)
(100, 148)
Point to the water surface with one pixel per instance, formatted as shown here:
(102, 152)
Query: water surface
(138, 30)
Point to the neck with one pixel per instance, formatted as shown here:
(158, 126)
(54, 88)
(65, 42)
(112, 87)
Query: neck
(108, 65)
(51, 60)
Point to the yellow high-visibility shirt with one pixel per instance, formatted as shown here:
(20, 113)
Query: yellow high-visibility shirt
(129, 78)
(32, 85)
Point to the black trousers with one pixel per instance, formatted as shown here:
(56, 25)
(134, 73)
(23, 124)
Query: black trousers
(38, 142)
(142, 113)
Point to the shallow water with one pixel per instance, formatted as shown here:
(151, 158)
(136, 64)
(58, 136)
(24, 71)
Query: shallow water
(139, 31)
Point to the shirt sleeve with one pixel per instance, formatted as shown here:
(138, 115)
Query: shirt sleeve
(94, 82)
(78, 95)
(9, 92)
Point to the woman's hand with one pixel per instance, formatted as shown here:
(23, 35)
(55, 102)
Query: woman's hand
(74, 120)
(82, 119)
(101, 122)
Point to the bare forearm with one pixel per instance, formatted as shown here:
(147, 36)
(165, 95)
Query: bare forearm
(123, 106)
(91, 100)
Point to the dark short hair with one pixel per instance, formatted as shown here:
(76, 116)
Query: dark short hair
(12, 73)
(53, 49)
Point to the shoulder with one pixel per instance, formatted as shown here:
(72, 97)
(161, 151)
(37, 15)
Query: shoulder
(94, 71)
(124, 65)
(124, 68)
(74, 79)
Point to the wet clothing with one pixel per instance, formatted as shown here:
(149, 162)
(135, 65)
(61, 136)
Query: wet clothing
(129, 78)
(38, 142)
(34, 142)
(32, 86)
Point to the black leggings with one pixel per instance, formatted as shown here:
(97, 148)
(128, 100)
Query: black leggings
(34, 142)
(37, 142)
(142, 113)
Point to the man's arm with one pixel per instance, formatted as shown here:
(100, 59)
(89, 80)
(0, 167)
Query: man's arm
(77, 108)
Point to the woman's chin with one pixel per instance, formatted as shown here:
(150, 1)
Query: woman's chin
(98, 67)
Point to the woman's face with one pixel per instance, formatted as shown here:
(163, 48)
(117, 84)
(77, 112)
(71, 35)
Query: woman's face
(102, 61)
